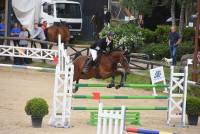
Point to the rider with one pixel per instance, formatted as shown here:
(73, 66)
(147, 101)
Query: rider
(100, 46)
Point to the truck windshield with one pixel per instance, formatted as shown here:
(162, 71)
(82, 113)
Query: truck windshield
(68, 10)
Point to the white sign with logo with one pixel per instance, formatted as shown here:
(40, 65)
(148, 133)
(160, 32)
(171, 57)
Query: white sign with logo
(157, 75)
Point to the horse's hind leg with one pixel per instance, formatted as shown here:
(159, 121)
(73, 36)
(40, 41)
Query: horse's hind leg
(123, 77)
(112, 84)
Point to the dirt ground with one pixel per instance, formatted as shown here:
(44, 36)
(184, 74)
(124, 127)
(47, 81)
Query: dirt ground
(17, 86)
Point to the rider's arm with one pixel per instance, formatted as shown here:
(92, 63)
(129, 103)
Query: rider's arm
(111, 45)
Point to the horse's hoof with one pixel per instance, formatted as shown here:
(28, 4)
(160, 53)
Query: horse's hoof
(117, 87)
(110, 85)
(74, 90)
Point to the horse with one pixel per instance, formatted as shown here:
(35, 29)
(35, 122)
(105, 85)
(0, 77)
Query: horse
(107, 66)
(53, 31)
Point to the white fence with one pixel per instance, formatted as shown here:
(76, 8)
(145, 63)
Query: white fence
(111, 122)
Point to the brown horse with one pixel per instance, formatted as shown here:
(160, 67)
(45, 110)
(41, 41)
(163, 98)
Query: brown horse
(52, 33)
(106, 67)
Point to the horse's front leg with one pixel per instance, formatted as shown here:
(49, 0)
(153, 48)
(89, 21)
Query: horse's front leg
(122, 81)
(76, 87)
(112, 84)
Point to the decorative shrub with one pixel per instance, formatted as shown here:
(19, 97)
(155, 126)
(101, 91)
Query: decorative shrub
(36, 107)
(193, 106)
(128, 35)
(162, 33)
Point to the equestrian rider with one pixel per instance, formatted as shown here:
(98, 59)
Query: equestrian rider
(101, 46)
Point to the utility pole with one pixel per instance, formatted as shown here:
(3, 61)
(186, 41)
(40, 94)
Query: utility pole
(196, 47)
(6, 20)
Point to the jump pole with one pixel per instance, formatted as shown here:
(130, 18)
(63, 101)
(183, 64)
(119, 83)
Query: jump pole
(119, 97)
(145, 131)
(119, 108)
(28, 67)
(126, 85)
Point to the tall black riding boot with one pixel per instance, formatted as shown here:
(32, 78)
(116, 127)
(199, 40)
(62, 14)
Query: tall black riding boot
(87, 66)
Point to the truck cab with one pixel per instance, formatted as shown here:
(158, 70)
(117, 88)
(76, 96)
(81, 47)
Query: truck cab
(63, 10)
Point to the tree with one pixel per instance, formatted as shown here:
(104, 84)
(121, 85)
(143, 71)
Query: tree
(173, 3)
(182, 17)
(143, 6)
(185, 6)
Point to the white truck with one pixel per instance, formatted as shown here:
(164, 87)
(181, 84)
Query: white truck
(53, 11)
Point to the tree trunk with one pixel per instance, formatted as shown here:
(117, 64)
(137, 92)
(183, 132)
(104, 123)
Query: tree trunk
(173, 2)
(182, 15)
(186, 13)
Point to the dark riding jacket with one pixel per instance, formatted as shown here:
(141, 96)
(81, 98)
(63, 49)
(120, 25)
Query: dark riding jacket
(102, 45)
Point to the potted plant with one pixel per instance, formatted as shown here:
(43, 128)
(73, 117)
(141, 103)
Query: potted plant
(37, 108)
(193, 110)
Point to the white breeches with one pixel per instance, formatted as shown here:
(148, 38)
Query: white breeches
(93, 52)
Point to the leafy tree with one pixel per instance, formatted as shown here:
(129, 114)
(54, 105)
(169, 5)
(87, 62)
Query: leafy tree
(143, 6)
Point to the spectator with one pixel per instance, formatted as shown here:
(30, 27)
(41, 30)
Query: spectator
(107, 18)
(141, 21)
(174, 41)
(23, 34)
(2, 31)
(15, 33)
(38, 33)
(44, 25)
(22, 43)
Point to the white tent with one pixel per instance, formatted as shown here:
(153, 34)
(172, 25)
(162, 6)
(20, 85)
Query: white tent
(27, 12)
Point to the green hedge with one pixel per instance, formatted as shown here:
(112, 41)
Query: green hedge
(149, 36)
(147, 41)
(156, 51)
(188, 34)
(159, 51)
(162, 33)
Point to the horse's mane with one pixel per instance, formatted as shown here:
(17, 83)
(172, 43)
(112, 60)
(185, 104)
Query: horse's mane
(117, 50)
(61, 24)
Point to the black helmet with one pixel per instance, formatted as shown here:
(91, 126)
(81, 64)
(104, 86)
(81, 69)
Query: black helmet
(110, 34)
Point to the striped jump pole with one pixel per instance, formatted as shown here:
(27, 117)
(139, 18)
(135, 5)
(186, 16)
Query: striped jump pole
(126, 85)
(119, 97)
(145, 131)
(119, 108)
(42, 69)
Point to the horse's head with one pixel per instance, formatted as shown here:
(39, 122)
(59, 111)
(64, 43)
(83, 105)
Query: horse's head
(64, 23)
(120, 57)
